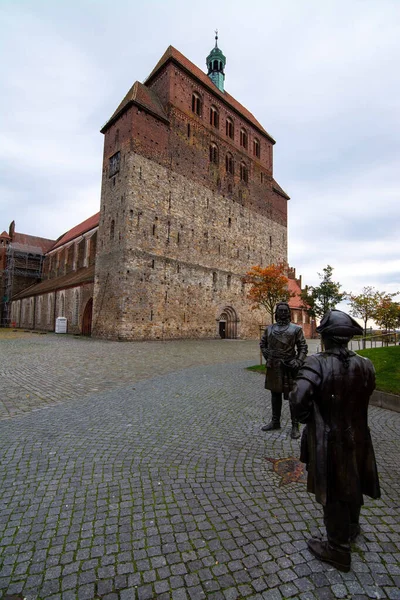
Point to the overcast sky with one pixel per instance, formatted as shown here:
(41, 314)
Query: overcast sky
(321, 76)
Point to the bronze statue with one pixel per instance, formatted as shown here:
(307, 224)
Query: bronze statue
(331, 394)
(284, 348)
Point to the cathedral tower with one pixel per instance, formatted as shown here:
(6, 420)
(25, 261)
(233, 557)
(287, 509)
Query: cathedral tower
(188, 205)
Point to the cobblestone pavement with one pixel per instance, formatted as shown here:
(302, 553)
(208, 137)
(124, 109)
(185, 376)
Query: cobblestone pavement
(158, 484)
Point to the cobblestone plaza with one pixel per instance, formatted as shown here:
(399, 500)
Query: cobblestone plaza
(139, 471)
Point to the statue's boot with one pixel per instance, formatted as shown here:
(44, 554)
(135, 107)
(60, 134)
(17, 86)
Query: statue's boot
(355, 528)
(275, 422)
(323, 550)
(355, 531)
(295, 433)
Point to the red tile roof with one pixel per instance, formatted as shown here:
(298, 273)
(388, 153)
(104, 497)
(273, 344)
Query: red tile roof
(78, 230)
(295, 301)
(5, 235)
(142, 96)
(31, 243)
(171, 54)
(277, 188)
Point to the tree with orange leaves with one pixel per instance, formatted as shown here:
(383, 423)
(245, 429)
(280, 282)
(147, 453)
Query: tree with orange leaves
(269, 286)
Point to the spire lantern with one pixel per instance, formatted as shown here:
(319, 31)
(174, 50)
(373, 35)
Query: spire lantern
(216, 62)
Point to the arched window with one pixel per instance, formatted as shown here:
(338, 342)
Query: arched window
(214, 153)
(243, 138)
(31, 319)
(229, 164)
(230, 131)
(214, 116)
(244, 173)
(39, 309)
(62, 306)
(112, 227)
(49, 308)
(75, 315)
(256, 148)
(196, 103)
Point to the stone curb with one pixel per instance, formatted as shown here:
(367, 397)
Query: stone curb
(385, 400)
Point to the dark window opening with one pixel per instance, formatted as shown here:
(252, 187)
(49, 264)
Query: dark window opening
(229, 164)
(214, 117)
(196, 104)
(112, 227)
(213, 154)
(243, 138)
(229, 128)
(244, 173)
(256, 148)
(113, 164)
(188, 130)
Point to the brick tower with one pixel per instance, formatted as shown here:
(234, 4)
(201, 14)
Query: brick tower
(188, 205)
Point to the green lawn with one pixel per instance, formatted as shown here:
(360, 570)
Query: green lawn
(387, 366)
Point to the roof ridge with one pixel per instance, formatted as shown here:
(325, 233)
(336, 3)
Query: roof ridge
(77, 230)
(174, 54)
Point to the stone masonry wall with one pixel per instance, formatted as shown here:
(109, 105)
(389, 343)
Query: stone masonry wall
(171, 254)
(40, 312)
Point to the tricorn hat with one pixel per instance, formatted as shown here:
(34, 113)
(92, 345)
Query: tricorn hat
(336, 323)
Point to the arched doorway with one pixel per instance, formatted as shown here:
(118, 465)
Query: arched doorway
(227, 323)
(87, 318)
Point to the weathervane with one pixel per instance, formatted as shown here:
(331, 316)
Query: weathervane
(216, 38)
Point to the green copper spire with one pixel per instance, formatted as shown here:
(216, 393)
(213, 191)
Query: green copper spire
(216, 62)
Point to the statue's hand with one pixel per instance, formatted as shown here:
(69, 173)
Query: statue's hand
(295, 363)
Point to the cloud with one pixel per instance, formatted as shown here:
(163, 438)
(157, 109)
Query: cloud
(321, 77)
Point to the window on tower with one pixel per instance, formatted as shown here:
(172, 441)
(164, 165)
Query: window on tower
(196, 103)
(214, 116)
(256, 148)
(229, 164)
(214, 153)
(113, 164)
(230, 132)
(244, 172)
(243, 138)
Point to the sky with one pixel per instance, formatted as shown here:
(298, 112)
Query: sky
(321, 76)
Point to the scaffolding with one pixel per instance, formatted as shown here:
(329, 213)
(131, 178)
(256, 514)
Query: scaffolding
(23, 265)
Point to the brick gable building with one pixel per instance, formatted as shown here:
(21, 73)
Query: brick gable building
(188, 205)
(66, 286)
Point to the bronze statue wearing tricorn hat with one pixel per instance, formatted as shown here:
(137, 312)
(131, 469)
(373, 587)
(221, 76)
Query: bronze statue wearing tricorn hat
(331, 395)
